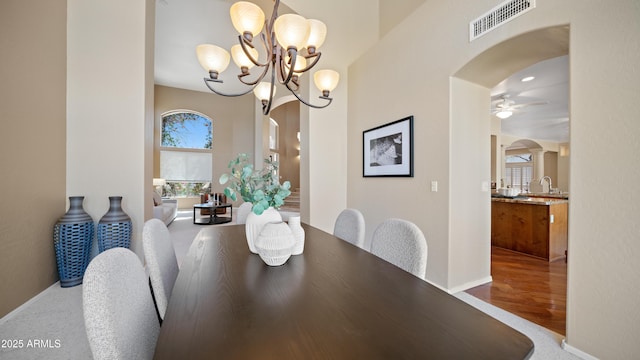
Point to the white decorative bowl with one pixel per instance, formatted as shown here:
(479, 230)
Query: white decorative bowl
(274, 243)
(509, 192)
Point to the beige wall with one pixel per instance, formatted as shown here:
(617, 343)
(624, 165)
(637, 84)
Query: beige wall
(233, 120)
(393, 12)
(469, 188)
(564, 163)
(32, 150)
(602, 319)
(109, 102)
(551, 167)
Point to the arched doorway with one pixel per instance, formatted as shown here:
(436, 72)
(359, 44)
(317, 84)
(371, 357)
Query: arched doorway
(497, 63)
(283, 144)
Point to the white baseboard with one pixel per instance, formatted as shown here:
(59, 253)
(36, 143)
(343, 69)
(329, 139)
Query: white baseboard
(463, 287)
(438, 286)
(577, 352)
(17, 310)
(470, 285)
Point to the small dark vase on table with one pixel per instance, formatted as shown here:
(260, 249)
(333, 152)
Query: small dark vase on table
(72, 238)
(114, 228)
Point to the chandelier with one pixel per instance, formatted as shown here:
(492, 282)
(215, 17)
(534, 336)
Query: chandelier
(290, 43)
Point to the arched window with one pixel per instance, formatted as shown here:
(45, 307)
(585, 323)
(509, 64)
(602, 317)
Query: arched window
(186, 153)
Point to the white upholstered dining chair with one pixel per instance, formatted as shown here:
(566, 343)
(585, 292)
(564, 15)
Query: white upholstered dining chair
(161, 262)
(349, 226)
(403, 244)
(119, 316)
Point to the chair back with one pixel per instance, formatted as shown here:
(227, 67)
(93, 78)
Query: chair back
(243, 212)
(403, 244)
(161, 262)
(349, 226)
(119, 315)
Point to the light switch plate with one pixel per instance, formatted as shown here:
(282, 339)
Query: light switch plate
(485, 186)
(434, 186)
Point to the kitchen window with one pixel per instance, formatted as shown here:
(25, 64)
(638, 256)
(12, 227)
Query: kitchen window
(519, 171)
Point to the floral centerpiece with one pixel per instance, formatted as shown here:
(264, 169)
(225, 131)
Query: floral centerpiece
(259, 187)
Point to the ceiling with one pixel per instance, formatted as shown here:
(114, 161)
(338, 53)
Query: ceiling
(547, 120)
(181, 25)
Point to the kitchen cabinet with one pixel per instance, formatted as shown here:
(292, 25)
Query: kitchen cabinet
(533, 226)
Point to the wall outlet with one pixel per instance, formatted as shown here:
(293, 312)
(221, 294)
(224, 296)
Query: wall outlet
(434, 186)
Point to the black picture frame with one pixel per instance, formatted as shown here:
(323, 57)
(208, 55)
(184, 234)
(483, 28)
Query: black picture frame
(388, 149)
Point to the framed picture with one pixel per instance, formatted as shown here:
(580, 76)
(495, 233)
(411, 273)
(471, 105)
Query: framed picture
(388, 149)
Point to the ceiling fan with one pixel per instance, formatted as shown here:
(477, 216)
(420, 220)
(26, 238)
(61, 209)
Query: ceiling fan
(504, 108)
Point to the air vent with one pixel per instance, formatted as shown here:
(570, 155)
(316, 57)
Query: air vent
(499, 15)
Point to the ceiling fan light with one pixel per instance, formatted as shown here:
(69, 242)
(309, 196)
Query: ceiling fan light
(240, 58)
(291, 30)
(317, 33)
(247, 17)
(262, 91)
(503, 114)
(212, 57)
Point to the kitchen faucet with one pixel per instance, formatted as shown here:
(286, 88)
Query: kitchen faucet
(549, 180)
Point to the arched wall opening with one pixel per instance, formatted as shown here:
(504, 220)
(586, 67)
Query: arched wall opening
(471, 85)
(286, 113)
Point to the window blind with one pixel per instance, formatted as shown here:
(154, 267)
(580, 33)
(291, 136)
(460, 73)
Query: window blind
(185, 166)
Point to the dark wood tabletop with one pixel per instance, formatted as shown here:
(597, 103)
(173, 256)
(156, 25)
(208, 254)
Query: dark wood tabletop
(335, 301)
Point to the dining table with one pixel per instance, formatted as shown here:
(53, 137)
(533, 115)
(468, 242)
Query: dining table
(334, 301)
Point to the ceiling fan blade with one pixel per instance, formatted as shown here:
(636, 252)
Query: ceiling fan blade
(520, 106)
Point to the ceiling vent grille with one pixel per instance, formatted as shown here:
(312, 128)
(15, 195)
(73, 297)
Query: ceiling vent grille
(499, 15)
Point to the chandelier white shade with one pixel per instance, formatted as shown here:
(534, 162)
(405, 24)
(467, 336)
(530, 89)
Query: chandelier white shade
(326, 80)
(290, 43)
(263, 91)
(212, 58)
(247, 17)
(291, 31)
(317, 34)
(241, 59)
(301, 64)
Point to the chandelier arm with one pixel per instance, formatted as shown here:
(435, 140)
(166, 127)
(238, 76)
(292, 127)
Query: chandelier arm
(294, 81)
(274, 16)
(266, 108)
(254, 83)
(308, 103)
(316, 57)
(207, 81)
(287, 75)
(244, 43)
(277, 61)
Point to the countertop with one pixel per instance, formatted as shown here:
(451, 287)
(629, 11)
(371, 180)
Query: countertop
(533, 199)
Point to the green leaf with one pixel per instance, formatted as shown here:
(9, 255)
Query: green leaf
(258, 209)
(223, 179)
(247, 170)
(258, 195)
(277, 201)
(230, 193)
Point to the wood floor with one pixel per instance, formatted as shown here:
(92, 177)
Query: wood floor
(531, 288)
